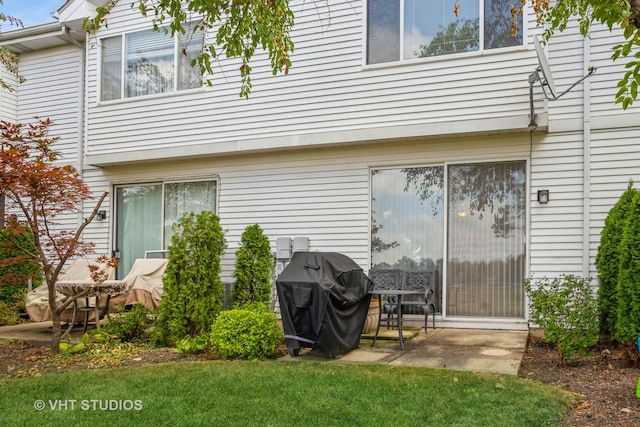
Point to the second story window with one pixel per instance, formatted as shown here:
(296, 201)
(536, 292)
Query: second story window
(149, 62)
(399, 30)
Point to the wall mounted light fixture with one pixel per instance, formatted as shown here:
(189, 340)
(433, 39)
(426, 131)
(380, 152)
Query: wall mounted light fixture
(101, 215)
(543, 196)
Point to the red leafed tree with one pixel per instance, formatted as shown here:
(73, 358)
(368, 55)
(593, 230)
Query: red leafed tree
(39, 190)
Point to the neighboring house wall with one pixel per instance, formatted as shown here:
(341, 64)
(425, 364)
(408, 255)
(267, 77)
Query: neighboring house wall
(52, 90)
(8, 100)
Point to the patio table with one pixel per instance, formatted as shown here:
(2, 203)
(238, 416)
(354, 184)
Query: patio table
(399, 293)
(106, 289)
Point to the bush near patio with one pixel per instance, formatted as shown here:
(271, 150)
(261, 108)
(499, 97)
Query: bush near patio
(566, 308)
(248, 332)
(193, 291)
(253, 268)
(608, 261)
(16, 268)
(628, 321)
(129, 326)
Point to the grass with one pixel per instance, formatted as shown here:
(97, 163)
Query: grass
(277, 394)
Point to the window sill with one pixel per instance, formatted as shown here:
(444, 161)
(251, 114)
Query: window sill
(446, 58)
(155, 96)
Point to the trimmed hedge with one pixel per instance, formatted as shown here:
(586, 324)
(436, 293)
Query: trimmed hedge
(253, 268)
(193, 291)
(628, 289)
(250, 332)
(608, 261)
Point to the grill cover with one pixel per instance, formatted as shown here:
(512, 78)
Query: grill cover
(324, 299)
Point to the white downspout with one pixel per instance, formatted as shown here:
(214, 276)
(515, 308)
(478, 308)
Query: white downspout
(81, 105)
(586, 131)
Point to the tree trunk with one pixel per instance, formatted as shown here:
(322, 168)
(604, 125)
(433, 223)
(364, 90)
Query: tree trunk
(56, 333)
(55, 317)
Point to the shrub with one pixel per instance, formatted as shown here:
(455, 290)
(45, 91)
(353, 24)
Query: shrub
(628, 321)
(253, 268)
(566, 308)
(193, 290)
(8, 314)
(608, 261)
(190, 345)
(129, 326)
(17, 265)
(250, 332)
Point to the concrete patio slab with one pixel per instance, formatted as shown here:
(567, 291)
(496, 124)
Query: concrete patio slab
(476, 350)
(35, 333)
(495, 351)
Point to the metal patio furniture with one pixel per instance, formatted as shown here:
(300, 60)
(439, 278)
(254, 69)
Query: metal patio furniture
(386, 280)
(422, 281)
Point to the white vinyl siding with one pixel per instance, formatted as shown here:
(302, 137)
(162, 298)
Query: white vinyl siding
(8, 100)
(327, 90)
(556, 228)
(615, 160)
(52, 90)
(319, 194)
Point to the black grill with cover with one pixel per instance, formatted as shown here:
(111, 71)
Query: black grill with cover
(324, 299)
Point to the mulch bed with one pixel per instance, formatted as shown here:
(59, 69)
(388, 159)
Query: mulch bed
(604, 384)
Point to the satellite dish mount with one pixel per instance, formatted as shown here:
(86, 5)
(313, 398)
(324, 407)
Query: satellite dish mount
(542, 74)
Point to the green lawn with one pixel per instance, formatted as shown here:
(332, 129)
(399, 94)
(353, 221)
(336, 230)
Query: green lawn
(278, 394)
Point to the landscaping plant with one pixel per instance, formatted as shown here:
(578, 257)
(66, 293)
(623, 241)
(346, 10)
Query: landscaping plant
(628, 322)
(566, 308)
(191, 345)
(18, 266)
(253, 268)
(18, 263)
(129, 326)
(608, 261)
(8, 314)
(42, 192)
(192, 287)
(249, 332)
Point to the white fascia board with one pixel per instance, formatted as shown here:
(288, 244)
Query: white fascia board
(442, 130)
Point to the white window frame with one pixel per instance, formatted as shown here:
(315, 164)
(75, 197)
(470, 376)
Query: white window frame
(400, 61)
(446, 164)
(177, 57)
(162, 183)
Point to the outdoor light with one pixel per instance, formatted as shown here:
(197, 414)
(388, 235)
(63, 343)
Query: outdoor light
(101, 215)
(543, 196)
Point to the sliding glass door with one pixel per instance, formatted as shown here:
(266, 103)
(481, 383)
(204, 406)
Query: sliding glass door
(407, 220)
(145, 214)
(478, 210)
(138, 222)
(486, 239)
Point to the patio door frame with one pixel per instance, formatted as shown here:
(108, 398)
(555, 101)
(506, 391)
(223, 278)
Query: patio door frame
(471, 321)
(468, 321)
(162, 183)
